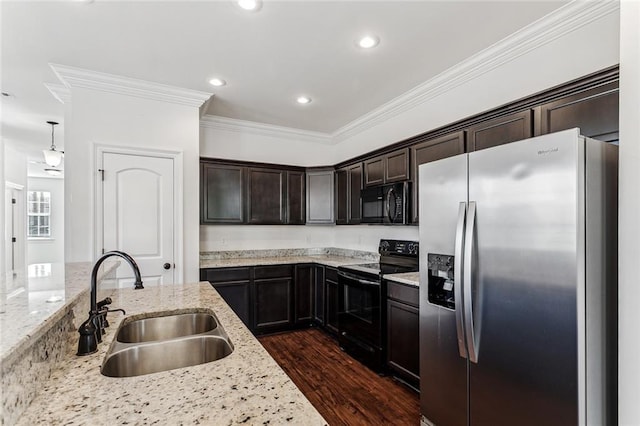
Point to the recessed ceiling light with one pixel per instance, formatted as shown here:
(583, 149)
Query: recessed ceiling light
(303, 99)
(217, 82)
(368, 41)
(250, 4)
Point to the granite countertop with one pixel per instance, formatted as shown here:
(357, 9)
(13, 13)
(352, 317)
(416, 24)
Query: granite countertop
(31, 303)
(410, 278)
(333, 257)
(246, 387)
(327, 260)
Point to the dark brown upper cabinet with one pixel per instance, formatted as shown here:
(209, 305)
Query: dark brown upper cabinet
(347, 193)
(241, 193)
(341, 191)
(432, 150)
(501, 130)
(265, 196)
(296, 200)
(221, 193)
(387, 168)
(594, 111)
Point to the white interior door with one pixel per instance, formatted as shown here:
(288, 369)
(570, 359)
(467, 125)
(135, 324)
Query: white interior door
(138, 214)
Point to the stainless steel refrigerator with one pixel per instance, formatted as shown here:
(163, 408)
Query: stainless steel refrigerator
(518, 284)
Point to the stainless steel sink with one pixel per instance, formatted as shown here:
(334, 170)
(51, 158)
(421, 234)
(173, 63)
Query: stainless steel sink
(166, 327)
(165, 341)
(165, 355)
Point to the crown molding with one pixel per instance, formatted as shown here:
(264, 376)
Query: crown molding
(562, 21)
(73, 77)
(60, 92)
(252, 127)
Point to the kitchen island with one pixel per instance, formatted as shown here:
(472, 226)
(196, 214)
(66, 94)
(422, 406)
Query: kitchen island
(246, 386)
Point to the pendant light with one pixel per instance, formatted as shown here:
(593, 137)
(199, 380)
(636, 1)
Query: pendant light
(52, 157)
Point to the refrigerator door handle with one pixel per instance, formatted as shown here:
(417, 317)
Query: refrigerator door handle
(472, 344)
(458, 278)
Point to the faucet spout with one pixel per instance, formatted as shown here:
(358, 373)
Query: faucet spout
(91, 330)
(94, 274)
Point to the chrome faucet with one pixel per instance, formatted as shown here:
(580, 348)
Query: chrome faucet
(92, 329)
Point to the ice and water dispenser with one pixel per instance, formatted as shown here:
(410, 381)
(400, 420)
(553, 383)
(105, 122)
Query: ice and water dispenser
(440, 284)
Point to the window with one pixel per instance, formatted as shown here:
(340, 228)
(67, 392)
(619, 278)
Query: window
(39, 214)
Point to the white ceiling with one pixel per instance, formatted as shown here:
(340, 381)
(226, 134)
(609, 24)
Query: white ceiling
(267, 57)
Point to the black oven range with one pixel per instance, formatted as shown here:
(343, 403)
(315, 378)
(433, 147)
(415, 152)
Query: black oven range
(361, 307)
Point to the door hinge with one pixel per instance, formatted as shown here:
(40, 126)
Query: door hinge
(101, 173)
(14, 201)
(13, 239)
(102, 250)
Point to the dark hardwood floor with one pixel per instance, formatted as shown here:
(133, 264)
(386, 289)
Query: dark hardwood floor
(343, 391)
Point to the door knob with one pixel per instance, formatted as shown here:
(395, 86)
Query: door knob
(166, 266)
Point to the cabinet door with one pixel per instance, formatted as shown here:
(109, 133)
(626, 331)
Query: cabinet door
(594, 111)
(374, 171)
(355, 185)
(221, 193)
(265, 196)
(272, 307)
(296, 204)
(501, 130)
(432, 150)
(331, 286)
(320, 197)
(234, 285)
(238, 297)
(304, 294)
(403, 351)
(396, 166)
(319, 291)
(342, 201)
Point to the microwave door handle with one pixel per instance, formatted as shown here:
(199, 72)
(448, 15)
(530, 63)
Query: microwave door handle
(390, 196)
(458, 278)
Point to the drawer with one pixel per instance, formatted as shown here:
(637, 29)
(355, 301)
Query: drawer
(216, 275)
(403, 293)
(276, 271)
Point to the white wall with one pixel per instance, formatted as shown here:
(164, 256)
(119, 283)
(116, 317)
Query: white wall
(259, 237)
(97, 117)
(50, 250)
(249, 146)
(2, 224)
(629, 243)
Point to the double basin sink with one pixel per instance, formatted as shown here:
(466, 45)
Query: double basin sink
(161, 341)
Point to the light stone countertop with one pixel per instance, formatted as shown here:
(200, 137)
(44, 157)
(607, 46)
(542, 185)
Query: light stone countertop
(245, 387)
(327, 260)
(410, 278)
(31, 303)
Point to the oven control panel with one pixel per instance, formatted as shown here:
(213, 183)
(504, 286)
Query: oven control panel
(401, 247)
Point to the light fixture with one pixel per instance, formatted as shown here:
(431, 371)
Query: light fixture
(303, 100)
(368, 41)
(217, 82)
(53, 172)
(52, 157)
(251, 5)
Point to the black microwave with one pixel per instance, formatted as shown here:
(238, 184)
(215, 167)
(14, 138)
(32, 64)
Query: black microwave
(386, 204)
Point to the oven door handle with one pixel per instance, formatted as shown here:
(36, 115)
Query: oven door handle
(351, 277)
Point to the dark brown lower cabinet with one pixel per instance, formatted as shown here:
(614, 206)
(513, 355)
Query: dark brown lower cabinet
(319, 295)
(272, 298)
(304, 291)
(403, 332)
(331, 295)
(234, 285)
